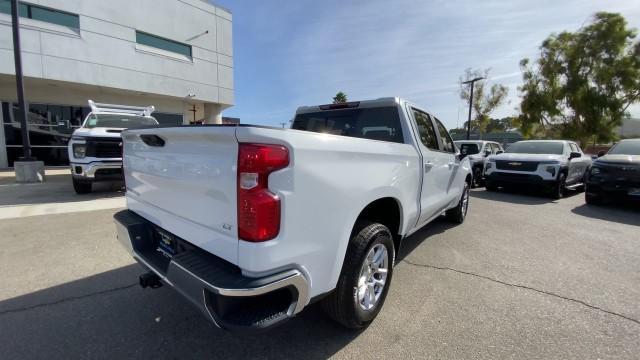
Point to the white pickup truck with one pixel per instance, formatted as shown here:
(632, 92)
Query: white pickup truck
(95, 149)
(252, 224)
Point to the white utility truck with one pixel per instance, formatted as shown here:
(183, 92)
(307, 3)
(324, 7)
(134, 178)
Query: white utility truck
(252, 224)
(95, 149)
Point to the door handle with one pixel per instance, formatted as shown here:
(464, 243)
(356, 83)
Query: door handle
(427, 166)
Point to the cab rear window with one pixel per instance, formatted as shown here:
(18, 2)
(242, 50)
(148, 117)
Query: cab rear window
(382, 123)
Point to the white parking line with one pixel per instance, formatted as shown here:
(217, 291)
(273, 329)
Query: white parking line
(18, 211)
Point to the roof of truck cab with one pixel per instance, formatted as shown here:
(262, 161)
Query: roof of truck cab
(386, 101)
(474, 142)
(550, 141)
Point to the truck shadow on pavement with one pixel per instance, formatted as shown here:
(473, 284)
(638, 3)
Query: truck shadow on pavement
(623, 213)
(519, 196)
(109, 316)
(410, 243)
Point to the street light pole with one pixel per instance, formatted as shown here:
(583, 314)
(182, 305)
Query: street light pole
(471, 82)
(22, 109)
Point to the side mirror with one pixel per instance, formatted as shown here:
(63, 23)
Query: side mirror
(593, 157)
(574, 154)
(487, 153)
(601, 153)
(499, 152)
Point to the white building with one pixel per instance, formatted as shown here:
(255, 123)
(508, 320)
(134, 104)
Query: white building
(630, 128)
(174, 54)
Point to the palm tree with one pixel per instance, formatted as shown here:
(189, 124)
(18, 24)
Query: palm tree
(340, 98)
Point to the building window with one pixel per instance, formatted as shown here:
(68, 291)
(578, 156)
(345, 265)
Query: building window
(168, 118)
(162, 43)
(40, 13)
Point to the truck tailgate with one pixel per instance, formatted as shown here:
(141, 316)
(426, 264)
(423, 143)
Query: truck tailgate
(183, 179)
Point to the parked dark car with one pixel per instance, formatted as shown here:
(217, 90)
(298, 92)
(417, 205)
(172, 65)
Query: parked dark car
(615, 175)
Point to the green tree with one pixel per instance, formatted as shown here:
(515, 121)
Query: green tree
(340, 98)
(583, 83)
(485, 101)
(493, 125)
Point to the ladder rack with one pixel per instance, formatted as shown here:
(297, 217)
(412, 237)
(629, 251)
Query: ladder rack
(125, 109)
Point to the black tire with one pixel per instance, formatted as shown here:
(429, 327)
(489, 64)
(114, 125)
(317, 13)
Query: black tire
(459, 213)
(477, 178)
(342, 305)
(558, 189)
(490, 186)
(81, 187)
(592, 199)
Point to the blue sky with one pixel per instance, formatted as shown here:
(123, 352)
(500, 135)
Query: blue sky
(301, 52)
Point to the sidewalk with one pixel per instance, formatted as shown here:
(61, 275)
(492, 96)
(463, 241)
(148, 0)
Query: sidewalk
(54, 196)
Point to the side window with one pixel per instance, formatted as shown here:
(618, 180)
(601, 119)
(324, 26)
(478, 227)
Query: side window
(487, 147)
(447, 142)
(425, 128)
(495, 148)
(574, 148)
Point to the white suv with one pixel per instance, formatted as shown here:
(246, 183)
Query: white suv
(478, 151)
(552, 164)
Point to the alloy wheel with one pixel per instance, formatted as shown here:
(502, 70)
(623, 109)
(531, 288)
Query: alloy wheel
(373, 277)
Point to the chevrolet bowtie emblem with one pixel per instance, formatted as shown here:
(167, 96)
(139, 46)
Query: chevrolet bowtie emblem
(515, 163)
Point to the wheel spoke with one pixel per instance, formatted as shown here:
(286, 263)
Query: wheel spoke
(361, 292)
(372, 295)
(370, 256)
(367, 298)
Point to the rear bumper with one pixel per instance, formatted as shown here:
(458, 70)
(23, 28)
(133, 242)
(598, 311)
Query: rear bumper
(229, 299)
(98, 171)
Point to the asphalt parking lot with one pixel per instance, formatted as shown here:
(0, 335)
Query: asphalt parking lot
(523, 277)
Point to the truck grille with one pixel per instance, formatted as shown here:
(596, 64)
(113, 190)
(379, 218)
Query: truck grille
(104, 148)
(516, 165)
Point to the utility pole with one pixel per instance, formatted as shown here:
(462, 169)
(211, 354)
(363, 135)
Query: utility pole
(471, 82)
(283, 124)
(22, 109)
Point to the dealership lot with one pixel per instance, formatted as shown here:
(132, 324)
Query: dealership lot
(523, 277)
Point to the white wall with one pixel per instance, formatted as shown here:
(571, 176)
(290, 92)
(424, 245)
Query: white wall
(104, 52)
(630, 128)
(55, 92)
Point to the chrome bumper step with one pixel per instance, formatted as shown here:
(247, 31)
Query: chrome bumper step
(217, 287)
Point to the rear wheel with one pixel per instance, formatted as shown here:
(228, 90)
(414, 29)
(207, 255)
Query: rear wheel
(459, 213)
(558, 189)
(81, 187)
(365, 277)
(592, 199)
(477, 177)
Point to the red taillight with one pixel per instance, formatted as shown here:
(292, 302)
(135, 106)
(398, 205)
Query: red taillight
(258, 208)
